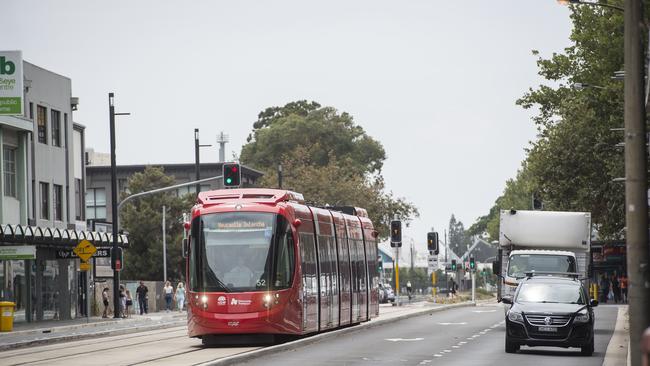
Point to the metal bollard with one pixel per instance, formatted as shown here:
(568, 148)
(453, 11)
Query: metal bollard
(645, 348)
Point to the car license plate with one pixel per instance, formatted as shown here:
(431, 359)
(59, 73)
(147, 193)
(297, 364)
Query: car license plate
(547, 329)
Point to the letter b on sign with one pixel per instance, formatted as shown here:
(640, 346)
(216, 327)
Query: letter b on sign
(6, 67)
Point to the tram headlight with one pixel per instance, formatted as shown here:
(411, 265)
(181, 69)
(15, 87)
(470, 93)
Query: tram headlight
(204, 301)
(267, 300)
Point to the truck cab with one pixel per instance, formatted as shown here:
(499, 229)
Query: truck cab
(521, 262)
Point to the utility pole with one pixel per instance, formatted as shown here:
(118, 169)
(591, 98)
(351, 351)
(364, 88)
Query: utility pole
(197, 163)
(114, 209)
(636, 200)
(164, 244)
(280, 176)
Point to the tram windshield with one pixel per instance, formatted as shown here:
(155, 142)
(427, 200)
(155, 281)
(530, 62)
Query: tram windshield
(239, 251)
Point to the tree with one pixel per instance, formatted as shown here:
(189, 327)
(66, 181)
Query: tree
(142, 218)
(573, 163)
(327, 133)
(326, 157)
(459, 240)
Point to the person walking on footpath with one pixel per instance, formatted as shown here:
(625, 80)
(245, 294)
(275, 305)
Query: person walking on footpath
(129, 303)
(168, 290)
(105, 301)
(141, 293)
(122, 301)
(180, 296)
(623, 282)
(616, 288)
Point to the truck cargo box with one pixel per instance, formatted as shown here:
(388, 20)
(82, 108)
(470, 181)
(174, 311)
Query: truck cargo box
(545, 230)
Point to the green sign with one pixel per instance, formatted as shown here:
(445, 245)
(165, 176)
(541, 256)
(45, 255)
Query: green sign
(11, 83)
(17, 252)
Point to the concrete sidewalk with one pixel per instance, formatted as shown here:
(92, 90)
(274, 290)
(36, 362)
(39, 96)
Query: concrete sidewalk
(30, 334)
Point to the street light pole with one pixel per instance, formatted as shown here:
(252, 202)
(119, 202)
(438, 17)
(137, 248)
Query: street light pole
(636, 200)
(114, 209)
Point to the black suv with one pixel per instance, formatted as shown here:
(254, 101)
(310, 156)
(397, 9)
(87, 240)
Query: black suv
(550, 311)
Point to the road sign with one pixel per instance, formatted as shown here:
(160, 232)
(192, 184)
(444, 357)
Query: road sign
(85, 250)
(433, 264)
(84, 266)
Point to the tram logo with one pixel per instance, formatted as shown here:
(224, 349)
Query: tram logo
(221, 300)
(234, 301)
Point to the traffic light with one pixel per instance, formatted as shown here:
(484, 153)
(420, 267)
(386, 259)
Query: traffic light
(453, 265)
(472, 264)
(380, 264)
(231, 175)
(117, 259)
(432, 242)
(395, 233)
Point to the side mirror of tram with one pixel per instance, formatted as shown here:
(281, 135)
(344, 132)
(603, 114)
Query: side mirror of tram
(184, 248)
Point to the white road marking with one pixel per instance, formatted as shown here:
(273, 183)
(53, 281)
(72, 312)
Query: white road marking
(483, 311)
(447, 351)
(461, 323)
(403, 339)
(437, 355)
(461, 343)
(455, 346)
(470, 338)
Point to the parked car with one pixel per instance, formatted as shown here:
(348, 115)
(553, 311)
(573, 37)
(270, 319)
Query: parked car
(386, 293)
(550, 311)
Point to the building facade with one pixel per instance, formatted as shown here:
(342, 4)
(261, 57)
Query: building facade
(42, 211)
(98, 191)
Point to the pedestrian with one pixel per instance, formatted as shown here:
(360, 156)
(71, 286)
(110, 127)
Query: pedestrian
(453, 289)
(604, 288)
(168, 290)
(180, 296)
(129, 303)
(105, 301)
(141, 293)
(409, 289)
(623, 282)
(616, 288)
(122, 301)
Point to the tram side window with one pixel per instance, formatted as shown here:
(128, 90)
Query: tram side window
(285, 261)
(194, 236)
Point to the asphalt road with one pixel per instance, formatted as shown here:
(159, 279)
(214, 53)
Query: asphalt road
(464, 336)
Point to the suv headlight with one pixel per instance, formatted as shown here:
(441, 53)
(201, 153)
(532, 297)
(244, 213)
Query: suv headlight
(516, 317)
(582, 317)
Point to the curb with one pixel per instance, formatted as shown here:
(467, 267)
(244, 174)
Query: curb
(617, 349)
(75, 337)
(247, 356)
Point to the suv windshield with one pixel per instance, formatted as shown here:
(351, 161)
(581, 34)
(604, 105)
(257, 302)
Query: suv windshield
(519, 264)
(551, 293)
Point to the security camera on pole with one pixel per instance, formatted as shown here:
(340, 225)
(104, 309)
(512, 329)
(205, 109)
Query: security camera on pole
(396, 242)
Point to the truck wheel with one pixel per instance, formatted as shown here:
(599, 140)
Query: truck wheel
(511, 347)
(588, 349)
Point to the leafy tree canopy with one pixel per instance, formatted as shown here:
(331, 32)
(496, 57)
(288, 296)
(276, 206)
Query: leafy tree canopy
(326, 157)
(281, 130)
(142, 218)
(572, 164)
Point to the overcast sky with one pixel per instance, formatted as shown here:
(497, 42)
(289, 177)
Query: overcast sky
(434, 81)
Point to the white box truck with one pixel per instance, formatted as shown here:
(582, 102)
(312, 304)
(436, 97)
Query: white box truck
(548, 242)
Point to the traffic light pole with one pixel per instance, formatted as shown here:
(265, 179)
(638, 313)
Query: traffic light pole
(473, 276)
(397, 275)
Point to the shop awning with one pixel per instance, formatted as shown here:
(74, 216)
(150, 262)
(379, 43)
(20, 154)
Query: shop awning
(54, 237)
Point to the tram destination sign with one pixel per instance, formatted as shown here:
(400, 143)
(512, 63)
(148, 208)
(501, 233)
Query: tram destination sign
(70, 254)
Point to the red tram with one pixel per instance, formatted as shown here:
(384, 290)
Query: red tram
(260, 261)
